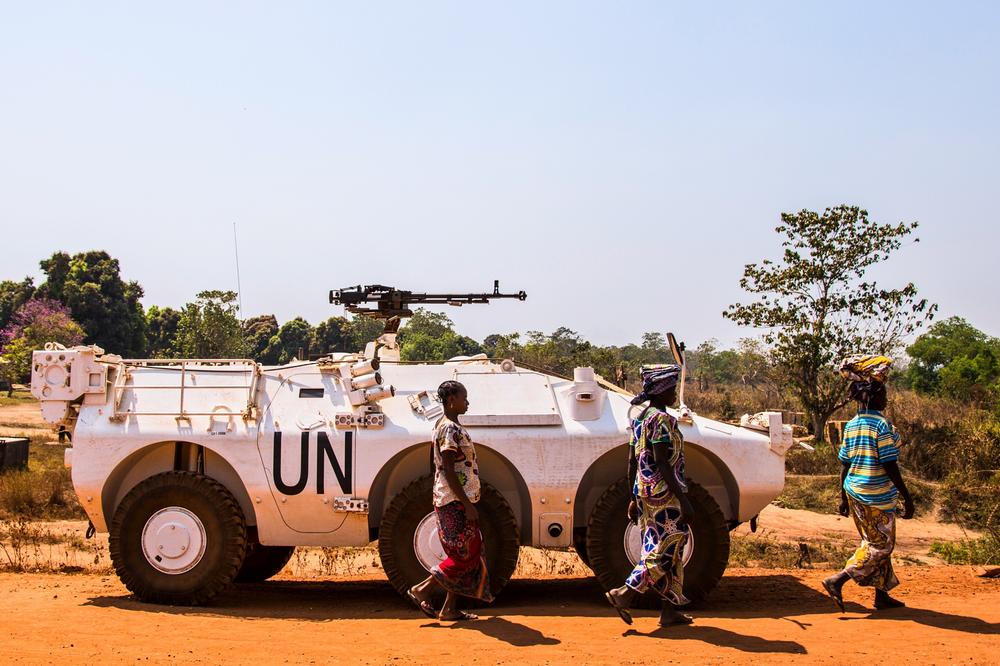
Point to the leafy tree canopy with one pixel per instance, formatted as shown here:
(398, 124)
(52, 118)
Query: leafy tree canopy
(107, 307)
(817, 305)
(12, 296)
(291, 342)
(210, 328)
(257, 332)
(161, 332)
(954, 359)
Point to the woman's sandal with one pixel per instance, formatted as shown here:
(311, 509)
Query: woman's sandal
(424, 606)
(623, 612)
(680, 618)
(835, 594)
(462, 615)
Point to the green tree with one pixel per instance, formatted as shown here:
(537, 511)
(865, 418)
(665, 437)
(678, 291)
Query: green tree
(107, 308)
(161, 331)
(361, 330)
(424, 321)
(498, 345)
(430, 336)
(257, 332)
(291, 342)
(329, 336)
(956, 360)
(12, 296)
(817, 305)
(210, 327)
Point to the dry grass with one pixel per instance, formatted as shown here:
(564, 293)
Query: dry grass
(44, 490)
(766, 552)
(27, 546)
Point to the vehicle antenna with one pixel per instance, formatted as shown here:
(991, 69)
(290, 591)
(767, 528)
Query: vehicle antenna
(239, 289)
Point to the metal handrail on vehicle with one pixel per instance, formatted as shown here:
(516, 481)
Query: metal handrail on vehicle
(124, 373)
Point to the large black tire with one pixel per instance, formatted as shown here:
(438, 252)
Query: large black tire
(225, 538)
(606, 542)
(399, 523)
(580, 544)
(262, 562)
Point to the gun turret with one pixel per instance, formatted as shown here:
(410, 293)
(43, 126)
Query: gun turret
(391, 302)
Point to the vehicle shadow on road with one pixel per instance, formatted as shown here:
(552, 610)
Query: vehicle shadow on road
(970, 625)
(501, 629)
(722, 638)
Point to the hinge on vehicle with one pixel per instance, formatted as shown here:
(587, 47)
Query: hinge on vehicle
(426, 404)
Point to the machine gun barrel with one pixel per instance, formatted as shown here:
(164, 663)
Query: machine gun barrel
(391, 302)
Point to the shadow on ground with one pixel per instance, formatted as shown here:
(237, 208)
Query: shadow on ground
(775, 596)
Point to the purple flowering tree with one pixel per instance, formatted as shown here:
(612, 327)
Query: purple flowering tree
(38, 321)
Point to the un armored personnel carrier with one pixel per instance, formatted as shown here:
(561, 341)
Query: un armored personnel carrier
(210, 471)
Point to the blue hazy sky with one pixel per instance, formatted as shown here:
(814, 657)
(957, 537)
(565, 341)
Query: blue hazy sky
(620, 162)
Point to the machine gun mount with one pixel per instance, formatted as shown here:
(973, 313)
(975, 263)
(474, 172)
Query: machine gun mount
(391, 302)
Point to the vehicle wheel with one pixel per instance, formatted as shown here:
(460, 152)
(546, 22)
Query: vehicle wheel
(262, 562)
(706, 556)
(580, 544)
(408, 525)
(177, 538)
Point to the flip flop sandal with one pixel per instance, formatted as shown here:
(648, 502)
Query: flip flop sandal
(424, 606)
(680, 619)
(835, 594)
(462, 615)
(623, 613)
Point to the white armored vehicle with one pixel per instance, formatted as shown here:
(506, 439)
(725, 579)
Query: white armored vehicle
(206, 472)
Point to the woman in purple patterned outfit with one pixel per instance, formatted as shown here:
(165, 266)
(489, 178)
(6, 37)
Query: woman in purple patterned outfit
(660, 504)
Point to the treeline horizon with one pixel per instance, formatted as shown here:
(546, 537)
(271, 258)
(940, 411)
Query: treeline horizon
(84, 299)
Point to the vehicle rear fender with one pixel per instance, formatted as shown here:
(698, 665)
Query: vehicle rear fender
(701, 466)
(414, 462)
(159, 457)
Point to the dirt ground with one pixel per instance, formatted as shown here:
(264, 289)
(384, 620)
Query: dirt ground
(755, 616)
(913, 537)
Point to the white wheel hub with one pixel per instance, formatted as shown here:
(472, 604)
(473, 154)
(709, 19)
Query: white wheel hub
(427, 544)
(633, 545)
(173, 540)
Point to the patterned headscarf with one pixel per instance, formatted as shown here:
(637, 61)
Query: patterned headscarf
(657, 379)
(867, 373)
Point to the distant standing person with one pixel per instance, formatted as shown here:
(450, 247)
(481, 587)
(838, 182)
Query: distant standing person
(870, 483)
(660, 503)
(456, 491)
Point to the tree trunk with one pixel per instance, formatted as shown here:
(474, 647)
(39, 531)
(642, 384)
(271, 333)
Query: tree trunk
(819, 426)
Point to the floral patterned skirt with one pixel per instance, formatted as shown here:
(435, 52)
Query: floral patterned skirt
(664, 535)
(464, 570)
(871, 564)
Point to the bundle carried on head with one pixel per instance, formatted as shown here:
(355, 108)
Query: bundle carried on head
(656, 380)
(867, 373)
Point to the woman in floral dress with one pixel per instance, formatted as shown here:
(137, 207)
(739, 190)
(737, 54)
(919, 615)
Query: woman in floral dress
(456, 491)
(660, 503)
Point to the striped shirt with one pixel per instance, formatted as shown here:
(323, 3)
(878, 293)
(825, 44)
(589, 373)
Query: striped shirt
(869, 442)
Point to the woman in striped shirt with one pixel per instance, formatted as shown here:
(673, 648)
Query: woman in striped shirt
(870, 483)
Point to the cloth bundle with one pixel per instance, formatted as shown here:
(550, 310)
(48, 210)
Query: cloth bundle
(867, 373)
(866, 367)
(656, 379)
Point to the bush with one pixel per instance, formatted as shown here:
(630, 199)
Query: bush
(971, 500)
(984, 550)
(940, 436)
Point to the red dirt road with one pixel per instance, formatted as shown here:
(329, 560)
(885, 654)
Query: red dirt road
(756, 616)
